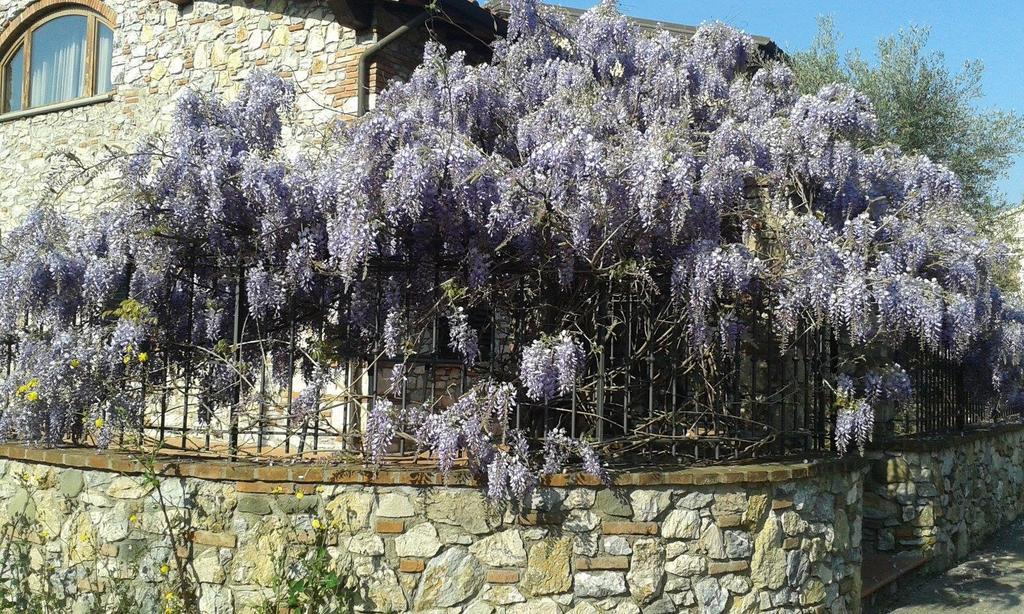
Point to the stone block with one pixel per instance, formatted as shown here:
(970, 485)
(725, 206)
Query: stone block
(599, 584)
(504, 549)
(216, 539)
(419, 541)
(254, 504)
(609, 502)
(395, 505)
(681, 524)
(547, 568)
(448, 580)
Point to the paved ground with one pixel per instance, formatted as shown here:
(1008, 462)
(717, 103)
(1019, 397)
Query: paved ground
(991, 582)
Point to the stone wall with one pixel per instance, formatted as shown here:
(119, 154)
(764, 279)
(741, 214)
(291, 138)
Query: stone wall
(942, 498)
(780, 538)
(210, 46)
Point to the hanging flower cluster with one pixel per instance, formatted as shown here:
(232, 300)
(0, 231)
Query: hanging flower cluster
(550, 367)
(585, 154)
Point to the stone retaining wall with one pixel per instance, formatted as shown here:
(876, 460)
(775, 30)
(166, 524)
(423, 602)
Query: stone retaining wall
(943, 497)
(746, 539)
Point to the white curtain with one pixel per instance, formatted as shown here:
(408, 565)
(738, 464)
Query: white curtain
(58, 64)
(104, 58)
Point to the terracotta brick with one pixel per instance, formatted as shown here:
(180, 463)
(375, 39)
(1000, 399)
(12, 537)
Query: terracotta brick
(718, 568)
(650, 478)
(612, 527)
(602, 562)
(306, 489)
(757, 475)
(411, 565)
(559, 480)
(210, 538)
(586, 479)
(390, 526)
(733, 477)
(264, 488)
(207, 471)
(502, 576)
(706, 478)
(272, 474)
(238, 471)
(678, 478)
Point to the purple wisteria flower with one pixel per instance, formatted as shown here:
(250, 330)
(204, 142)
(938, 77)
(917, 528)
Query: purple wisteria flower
(551, 366)
(587, 159)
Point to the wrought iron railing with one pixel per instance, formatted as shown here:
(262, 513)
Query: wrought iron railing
(644, 396)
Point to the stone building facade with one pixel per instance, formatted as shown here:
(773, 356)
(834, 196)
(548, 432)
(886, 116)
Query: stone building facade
(163, 46)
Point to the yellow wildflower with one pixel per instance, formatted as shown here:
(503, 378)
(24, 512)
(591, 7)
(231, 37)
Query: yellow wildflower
(317, 524)
(168, 596)
(165, 569)
(127, 359)
(143, 356)
(99, 423)
(133, 518)
(32, 383)
(75, 363)
(32, 396)
(299, 494)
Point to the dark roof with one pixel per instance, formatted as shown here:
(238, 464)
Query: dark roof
(766, 45)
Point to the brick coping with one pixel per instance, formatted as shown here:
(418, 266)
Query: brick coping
(944, 442)
(422, 476)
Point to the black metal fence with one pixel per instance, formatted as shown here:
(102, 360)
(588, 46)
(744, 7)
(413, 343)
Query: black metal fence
(950, 396)
(644, 396)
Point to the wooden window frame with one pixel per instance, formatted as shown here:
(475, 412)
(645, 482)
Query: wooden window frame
(23, 41)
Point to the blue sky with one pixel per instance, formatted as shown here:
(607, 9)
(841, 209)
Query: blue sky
(990, 31)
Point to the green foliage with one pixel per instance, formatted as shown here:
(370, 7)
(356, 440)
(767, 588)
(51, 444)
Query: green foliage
(924, 107)
(131, 310)
(316, 583)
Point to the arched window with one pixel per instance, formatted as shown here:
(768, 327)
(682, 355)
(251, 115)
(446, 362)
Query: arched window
(56, 57)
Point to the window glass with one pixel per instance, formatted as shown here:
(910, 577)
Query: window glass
(58, 61)
(14, 76)
(104, 58)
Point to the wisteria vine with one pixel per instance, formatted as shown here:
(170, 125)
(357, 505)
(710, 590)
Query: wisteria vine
(588, 154)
